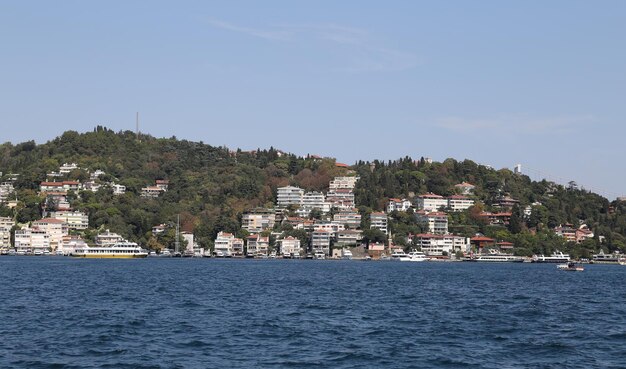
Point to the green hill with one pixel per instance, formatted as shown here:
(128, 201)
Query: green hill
(211, 186)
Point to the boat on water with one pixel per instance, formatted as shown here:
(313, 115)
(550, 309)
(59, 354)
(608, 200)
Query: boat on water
(494, 256)
(12, 253)
(571, 267)
(346, 254)
(621, 261)
(120, 250)
(400, 255)
(417, 256)
(602, 258)
(165, 253)
(59, 253)
(556, 257)
(319, 255)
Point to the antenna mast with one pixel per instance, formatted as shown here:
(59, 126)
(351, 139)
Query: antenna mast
(177, 243)
(137, 126)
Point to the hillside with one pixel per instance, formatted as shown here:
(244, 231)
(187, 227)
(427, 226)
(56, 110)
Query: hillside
(210, 187)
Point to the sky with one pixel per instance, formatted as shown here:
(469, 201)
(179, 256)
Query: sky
(539, 83)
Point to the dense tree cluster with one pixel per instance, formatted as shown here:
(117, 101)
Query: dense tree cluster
(210, 187)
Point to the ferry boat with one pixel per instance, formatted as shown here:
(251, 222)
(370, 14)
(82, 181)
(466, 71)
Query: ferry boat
(120, 250)
(602, 258)
(557, 257)
(494, 256)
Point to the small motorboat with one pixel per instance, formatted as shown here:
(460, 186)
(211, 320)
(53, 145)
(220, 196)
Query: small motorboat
(571, 267)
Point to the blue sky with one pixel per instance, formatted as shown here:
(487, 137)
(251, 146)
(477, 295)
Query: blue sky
(541, 83)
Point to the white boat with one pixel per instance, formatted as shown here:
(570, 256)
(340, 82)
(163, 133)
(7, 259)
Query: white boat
(12, 253)
(400, 255)
(37, 253)
(494, 256)
(120, 250)
(152, 254)
(417, 256)
(602, 258)
(319, 255)
(346, 254)
(165, 253)
(59, 253)
(571, 267)
(557, 257)
(20, 253)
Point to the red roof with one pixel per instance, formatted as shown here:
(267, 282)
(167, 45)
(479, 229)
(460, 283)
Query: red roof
(341, 165)
(49, 220)
(505, 243)
(431, 196)
(481, 239)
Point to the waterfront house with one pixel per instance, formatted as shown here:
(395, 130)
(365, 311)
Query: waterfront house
(320, 241)
(289, 246)
(258, 245)
(441, 244)
(55, 228)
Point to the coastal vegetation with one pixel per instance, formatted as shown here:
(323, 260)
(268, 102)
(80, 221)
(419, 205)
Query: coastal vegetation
(211, 187)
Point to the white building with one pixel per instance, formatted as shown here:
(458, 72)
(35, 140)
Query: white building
(151, 191)
(289, 195)
(311, 201)
(398, 205)
(437, 222)
(55, 228)
(6, 188)
(431, 202)
(465, 188)
(258, 220)
(258, 245)
(32, 239)
(379, 221)
(224, 244)
(342, 183)
(328, 226)
(290, 246)
(118, 189)
(437, 244)
(71, 244)
(349, 218)
(188, 236)
(108, 238)
(320, 241)
(74, 219)
(349, 237)
(6, 224)
(459, 203)
(67, 168)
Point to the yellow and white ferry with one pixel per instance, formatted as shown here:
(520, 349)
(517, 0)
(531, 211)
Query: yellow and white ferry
(120, 250)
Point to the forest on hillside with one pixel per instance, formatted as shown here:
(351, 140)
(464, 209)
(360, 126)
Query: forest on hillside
(210, 187)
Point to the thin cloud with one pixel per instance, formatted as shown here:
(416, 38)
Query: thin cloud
(364, 53)
(516, 124)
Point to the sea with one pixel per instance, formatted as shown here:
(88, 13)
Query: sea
(58, 312)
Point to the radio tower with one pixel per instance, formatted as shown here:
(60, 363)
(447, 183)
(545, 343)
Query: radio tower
(137, 126)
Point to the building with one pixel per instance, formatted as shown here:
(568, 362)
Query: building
(342, 183)
(313, 200)
(379, 221)
(349, 218)
(398, 205)
(71, 244)
(572, 234)
(188, 237)
(6, 224)
(67, 168)
(349, 237)
(328, 226)
(320, 241)
(258, 220)
(55, 228)
(6, 189)
(289, 195)
(223, 244)
(505, 202)
(163, 184)
(480, 242)
(289, 246)
(108, 238)
(60, 186)
(431, 202)
(151, 191)
(459, 202)
(439, 244)
(158, 229)
(118, 189)
(499, 218)
(341, 192)
(437, 222)
(74, 219)
(258, 245)
(465, 188)
(33, 240)
(237, 247)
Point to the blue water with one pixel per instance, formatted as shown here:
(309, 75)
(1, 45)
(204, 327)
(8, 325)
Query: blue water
(60, 312)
